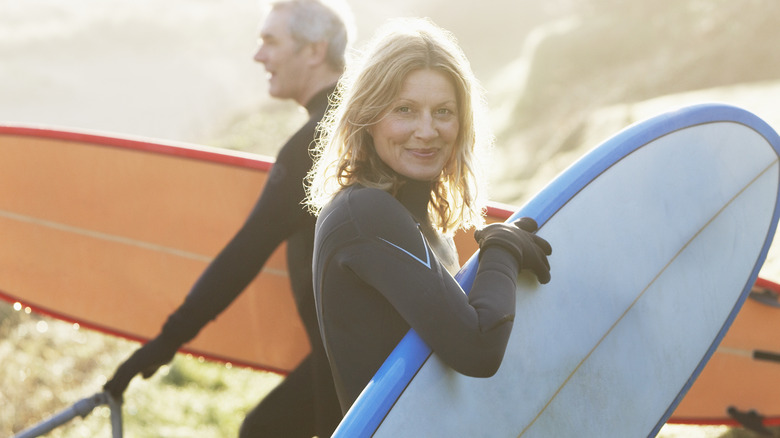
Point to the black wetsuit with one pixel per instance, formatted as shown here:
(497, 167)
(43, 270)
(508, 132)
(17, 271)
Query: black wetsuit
(305, 403)
(377, 272)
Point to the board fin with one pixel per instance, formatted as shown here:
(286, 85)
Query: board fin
(750, 420)
(765, 296)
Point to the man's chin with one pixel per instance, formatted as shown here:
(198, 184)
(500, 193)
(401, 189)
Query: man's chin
(276, 92)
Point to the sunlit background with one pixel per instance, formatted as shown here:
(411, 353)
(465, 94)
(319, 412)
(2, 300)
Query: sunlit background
(561, 76)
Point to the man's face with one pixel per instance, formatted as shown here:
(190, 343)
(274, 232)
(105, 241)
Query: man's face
(284, 58)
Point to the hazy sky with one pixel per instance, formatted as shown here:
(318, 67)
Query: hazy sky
(168, 69)
(177, 69)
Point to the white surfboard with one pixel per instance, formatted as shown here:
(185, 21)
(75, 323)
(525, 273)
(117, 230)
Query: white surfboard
(658, 235)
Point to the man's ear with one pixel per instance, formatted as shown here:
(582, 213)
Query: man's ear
(319, 52)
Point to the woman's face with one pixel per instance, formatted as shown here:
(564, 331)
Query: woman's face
(417, 136)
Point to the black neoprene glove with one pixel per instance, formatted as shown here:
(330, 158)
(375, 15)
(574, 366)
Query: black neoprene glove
(146, 360)
(518, 239)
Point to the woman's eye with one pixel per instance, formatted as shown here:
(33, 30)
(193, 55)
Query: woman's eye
(404, 109)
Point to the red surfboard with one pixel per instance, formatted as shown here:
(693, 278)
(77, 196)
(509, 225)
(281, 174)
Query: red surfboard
(112, 232)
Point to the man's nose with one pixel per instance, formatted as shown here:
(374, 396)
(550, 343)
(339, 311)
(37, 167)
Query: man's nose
(260, 55)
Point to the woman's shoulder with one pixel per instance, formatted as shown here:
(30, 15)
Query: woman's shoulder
(373, 202)
(359, 196)
(373, 209)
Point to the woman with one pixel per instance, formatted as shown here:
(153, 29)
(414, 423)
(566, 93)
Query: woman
(393, 179)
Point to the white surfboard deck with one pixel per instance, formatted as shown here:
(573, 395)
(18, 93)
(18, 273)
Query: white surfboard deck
(658, 235)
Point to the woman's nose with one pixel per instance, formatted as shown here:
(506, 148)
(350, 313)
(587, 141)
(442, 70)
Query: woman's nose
(426, 130)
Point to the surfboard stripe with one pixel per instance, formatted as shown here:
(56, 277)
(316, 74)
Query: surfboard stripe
(769, 356)
(104, 236)
(113, 238)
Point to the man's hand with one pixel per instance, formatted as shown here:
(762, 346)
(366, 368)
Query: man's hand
(146, 360)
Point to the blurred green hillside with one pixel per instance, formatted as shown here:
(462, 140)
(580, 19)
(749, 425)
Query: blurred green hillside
(552, 69)
(613, 53)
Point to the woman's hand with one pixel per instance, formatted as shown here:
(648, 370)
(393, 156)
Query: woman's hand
(519, 240)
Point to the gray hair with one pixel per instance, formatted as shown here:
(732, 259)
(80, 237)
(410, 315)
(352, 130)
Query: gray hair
(321, 20)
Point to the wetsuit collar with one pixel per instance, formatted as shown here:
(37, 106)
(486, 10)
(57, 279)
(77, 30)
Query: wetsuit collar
(319, 102)
(415, 195)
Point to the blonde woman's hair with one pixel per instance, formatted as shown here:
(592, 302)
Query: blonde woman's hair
(345, 153)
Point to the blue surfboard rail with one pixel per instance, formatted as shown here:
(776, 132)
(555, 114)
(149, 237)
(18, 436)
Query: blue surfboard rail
(390, 381)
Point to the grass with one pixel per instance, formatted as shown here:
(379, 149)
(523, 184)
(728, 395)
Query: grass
(49, 364)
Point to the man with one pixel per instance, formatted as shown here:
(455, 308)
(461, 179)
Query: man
(303, 45)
